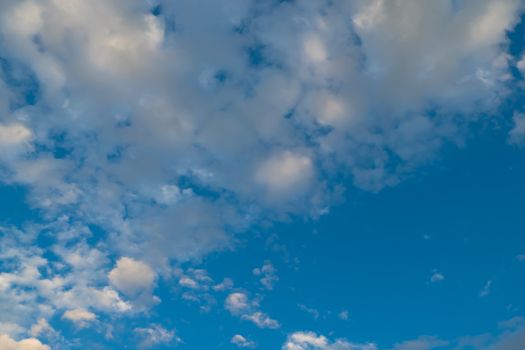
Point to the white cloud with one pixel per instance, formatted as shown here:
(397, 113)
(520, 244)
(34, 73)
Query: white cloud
(268, 275)
(155, 335)
(41, 327)
(343, 315)
(285, 172)
(240, 305)
(422, 343)
(242, 342)
(80, 317)
(7, 343)
(157, 120)
(436, 276)
(132, 277)
(310, 310)
(312, 341)
(237, 303)
(517, 133)
(486, 289)
(261, 319)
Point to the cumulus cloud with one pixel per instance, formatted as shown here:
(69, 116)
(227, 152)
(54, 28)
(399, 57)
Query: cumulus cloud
(7, 343)
(173, 141)
(239, 304)
(437, 277)
(242, 342)
(132, 277)
(312, 341)
(80, 317)
(268, 275)
(156, 335)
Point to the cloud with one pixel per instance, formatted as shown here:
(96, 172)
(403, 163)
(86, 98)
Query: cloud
(311, 311)
(517, 133)
(156, 335)
(343, 315)
(80, 317)
(242, 342)
(268, 275)
(422, 343)
(436, 277)
(238, 304)
(7, 343)
(132, 277)
(312, 341)
(486, 289)
(171, 142)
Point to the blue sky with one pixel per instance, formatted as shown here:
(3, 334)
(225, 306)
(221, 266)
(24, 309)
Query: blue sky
(321, 175)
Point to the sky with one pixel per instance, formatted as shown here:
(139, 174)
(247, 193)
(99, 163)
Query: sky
(262, 174)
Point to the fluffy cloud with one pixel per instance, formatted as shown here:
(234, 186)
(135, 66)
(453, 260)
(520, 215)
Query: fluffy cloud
(80, 317)
(173, 141)
(155, 335)
(268, 275)
(132, 277)
(240, 305)
(517, 133)
(437, 276)
(242, 342)
(7, 343)
(312, 341)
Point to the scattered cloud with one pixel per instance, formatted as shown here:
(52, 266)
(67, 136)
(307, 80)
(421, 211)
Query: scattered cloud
(486, 289)
(80, 317)
(422, 343)
(240, 305)
(156, 335)
(436, 276)
(312, 341)
(7, 343)
(242, 342)
(309, 310)
(517, 133)
(343, 315)
(268, 275)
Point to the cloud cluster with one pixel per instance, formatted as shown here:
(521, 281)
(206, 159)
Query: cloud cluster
(239, 304)
(171, 127)
(7, 343)
(312, 341)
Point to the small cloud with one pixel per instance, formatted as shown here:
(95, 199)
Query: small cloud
(309, 341)
(421, 343)
(311, 311)
(242, 342)
(226, 284)
(41, 327)
(517, 134)
(238, 304)
(343, 315)
(132, 277)
(262, 320)
(155, 335)
(268, 275)
(436, 276)
(80, 317)
(486, 289)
